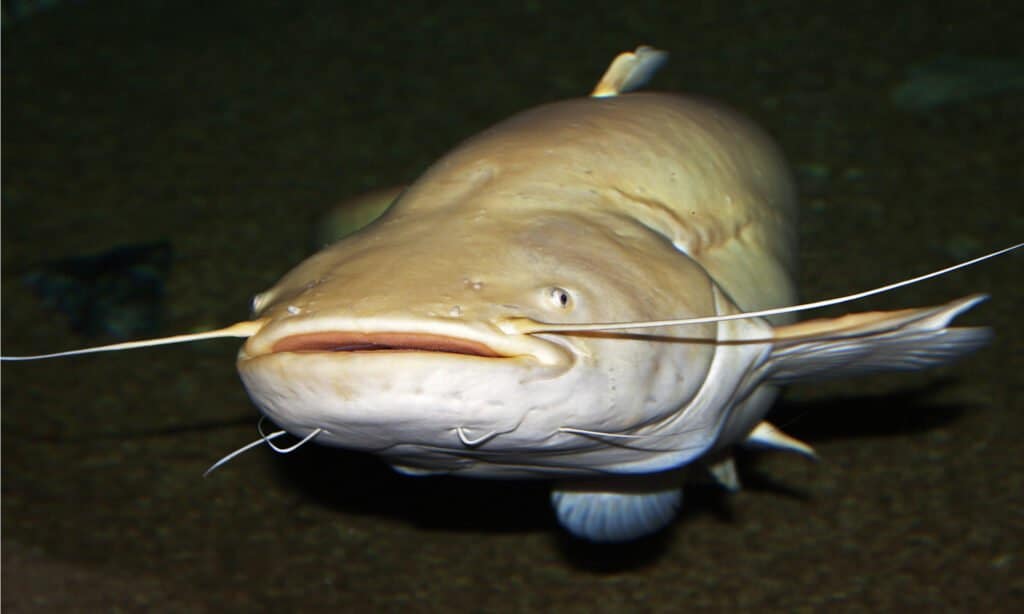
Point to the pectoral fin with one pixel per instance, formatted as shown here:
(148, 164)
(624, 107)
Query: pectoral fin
(354, 214)
(870, 342)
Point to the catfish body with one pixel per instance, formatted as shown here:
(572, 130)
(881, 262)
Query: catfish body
(597, 291)
(630, 208)
(630, 204)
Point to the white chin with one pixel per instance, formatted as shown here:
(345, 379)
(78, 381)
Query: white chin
(376, 401)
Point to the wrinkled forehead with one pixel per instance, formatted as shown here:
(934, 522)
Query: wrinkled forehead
(424, 259)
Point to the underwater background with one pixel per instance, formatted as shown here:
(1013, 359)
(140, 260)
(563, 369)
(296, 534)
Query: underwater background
(224, 130)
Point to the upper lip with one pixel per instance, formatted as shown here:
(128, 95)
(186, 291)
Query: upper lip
(341, 334)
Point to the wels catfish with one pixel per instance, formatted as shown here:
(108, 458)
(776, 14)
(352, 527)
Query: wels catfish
(596, 292)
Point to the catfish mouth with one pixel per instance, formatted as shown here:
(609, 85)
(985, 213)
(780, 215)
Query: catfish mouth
(342, 341)
(363, 337)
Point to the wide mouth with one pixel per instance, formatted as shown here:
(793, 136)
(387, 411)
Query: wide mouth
(325, 336)
(345, 341)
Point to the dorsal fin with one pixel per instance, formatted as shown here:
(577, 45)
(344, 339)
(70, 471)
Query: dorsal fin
(629, 71)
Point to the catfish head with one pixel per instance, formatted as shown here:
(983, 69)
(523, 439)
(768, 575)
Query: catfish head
(395, 341)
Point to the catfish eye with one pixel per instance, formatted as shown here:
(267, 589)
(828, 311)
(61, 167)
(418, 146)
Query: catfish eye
(560, 297)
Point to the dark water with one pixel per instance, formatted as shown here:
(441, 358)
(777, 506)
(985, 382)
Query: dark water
(227, 130)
